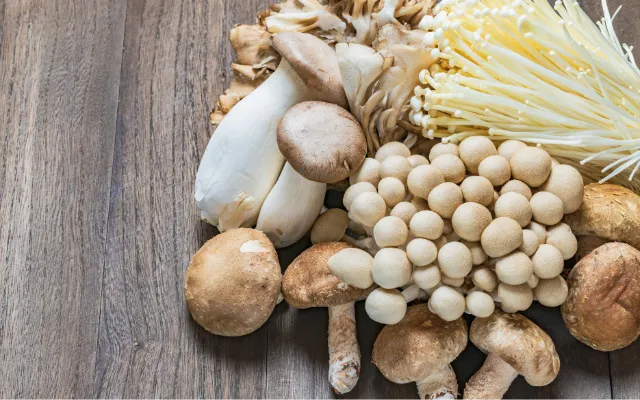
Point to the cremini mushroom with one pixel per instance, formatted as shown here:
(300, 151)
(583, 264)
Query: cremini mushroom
(308, 282)
(502, 236)
(390, 232)
(330, 226)
(392, 191)
(517, 186)
(602, 309)
(232, 283)
(454, 259)
(445, 198)
(369, 171)
(477, 189)
(551, 292)
(547, 262)
(322, 141)
(514, 346)
(563, 239)
(395, 166)
(496, 169)
(420, 349)
(451, 167)
(515, 206)
(391, 268)
(405, 211)
(392, 149)
(566, 183)
(421, 252)
(530, 242)
(480, 304)
(368, 208)
(354, 190)
(531, 165)
(423, 179)
(469, 220)
(447, 303)
(352, 266)
(515, 268)
(443, 148)
(509, 147)
(588, 243)
(609, 211)
(547, 208)
(474, 149)
(427, 225)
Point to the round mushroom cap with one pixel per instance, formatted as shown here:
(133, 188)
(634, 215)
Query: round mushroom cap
(427, 277)
(445, 198)
(530, 242)
(501, 237)
(510, 147)
(566, 183)
(322, 141)
(392, 149)
(330, 226)
(477, 189)
(427, 225)
(369, 171)
(496, 169)
(421, 252)
(547, 208)
(405, 211)
(233, 281)
(443, 148)
(392, 190)
(454, 259)
(547, 262)
(474, 149)
(478, 256)
(315, 62)
(603, 306)
(520, 343)
(419, 345)
(447, 303)
(386, 306)
(352, 266)
(515, 206)
(451, 167)
(470, 219)
(480, 304)
(515, 268)
(609, 211)
(308, 282)
(423, 179)
(551, 292)
(354, 190)
(417, 159)
(516, 186)
(391, 268)
(531, 165)
(563, 239)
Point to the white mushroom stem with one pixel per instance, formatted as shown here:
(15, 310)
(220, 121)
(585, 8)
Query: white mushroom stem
(412, 293)
(280, 298)
(440, 385)
(344, 351)
(492, 380)
(367, 244)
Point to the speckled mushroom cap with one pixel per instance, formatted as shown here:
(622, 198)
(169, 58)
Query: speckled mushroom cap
(315, 63)
(419, 345)
(609, 211)
(603, 306)
(518, 342)
(308, 282)
(233, 281)
(321, 141)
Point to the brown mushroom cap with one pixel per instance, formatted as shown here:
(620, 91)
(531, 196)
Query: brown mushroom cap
(609, 211)
(315, 63)
(308, 282)
(520, 343)
(321, 141)
(603, 306)
(233, 281)
(419, 345)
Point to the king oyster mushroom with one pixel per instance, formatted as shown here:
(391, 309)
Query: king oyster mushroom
(307, 283)
(420, 349)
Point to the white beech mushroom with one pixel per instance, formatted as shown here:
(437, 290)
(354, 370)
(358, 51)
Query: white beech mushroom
(417, 159)
(354, 190)
(390, 232)
(531, 165)
(514, 269)
(423, 179)
(291, 208)
(369, 171)
(420, 349)
(308, 282)
(502, 236)
(563, 239)
(515, 206)
(427, 277)
(517, 186)
(395, 166)
(530, 242)
(551, 292)
(392, 191)
(352, 266)
(421, 252)
(547, 208)
(474, 149)
(496, 169)
(229, 191)
(454, 259)
(451, 166)
(392, 149)
(566, 183)
(485, 278)
(514, 346)
(602, 309)
(427, 225)
(539, 229)
(477, 189)
(480, 304)
(515, 297)
(447, 303)
(445, 198)
(391, 268)
(405, 211)
(469, 220)
(478, 256)
(386, 306)
(368, 208)
(547, 262)
(443, 148)
(509, 147)
(232, 283)
(322, 141)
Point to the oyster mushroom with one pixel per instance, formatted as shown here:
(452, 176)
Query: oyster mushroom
(420, 349)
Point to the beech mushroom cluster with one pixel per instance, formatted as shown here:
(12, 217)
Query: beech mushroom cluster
(472, 225)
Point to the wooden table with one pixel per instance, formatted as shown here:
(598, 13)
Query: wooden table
(104, 119)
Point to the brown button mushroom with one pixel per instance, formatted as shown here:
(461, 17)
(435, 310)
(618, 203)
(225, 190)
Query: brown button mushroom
(514, 346)
(322, 141)
(233, 281)
(419, 349)
(603, 306)
(308, 282)
(609, 211)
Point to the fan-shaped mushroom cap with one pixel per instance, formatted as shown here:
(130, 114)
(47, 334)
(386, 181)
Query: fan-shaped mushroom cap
(520, 343)
(315, 63)
(419, 345)
(322, 141)
(308, 282)
(233, 281)
(603, 306)
(609, 211)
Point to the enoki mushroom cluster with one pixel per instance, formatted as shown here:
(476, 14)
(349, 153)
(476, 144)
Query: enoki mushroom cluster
(472, 226)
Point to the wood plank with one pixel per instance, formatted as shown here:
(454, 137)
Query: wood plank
(625, 363)
(59, 74)
(176, 62)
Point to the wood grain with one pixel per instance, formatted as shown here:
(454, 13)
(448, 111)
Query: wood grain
(59, 74)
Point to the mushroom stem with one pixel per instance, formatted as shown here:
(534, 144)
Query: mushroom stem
(492, 380)
(412, 293)
(440, 385)
(344, 351)
(368, 244)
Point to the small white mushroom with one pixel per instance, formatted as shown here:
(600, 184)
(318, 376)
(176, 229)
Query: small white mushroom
(552, 292)
(419, 203)
(547, 262)
(469, 220)
(386, 306)
(539, 230)
(392, 149)
(390, 232)
(477, 189)
(422, 179)
(405, 211)
(445, 198)
(443, 148)
(502, 236)
(515, 268)
(427, 225)
(369, 171)
(509, 147)
(530, 242)
(451, 166)
(533, 281)
(474, 149)
(454, 259)
(452, 282)
(421, 252)
(485, 279)
(547, 208)
(563, 239)
(496, 169)
(417, 159)
(478, 256)
(531, 165)
(391, 268)
(566, 183)
(395, 166)
(352, 266)
(515, 298)
(480, 304)
(447, 303)
(515, 206)
(354, 190)
(517, 186)
(368, 208)
(392, 191)
(427, 277)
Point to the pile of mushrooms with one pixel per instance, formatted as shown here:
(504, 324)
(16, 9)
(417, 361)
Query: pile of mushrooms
(471, 226)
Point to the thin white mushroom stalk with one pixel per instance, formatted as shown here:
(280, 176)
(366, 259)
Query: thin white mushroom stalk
(542, 74)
